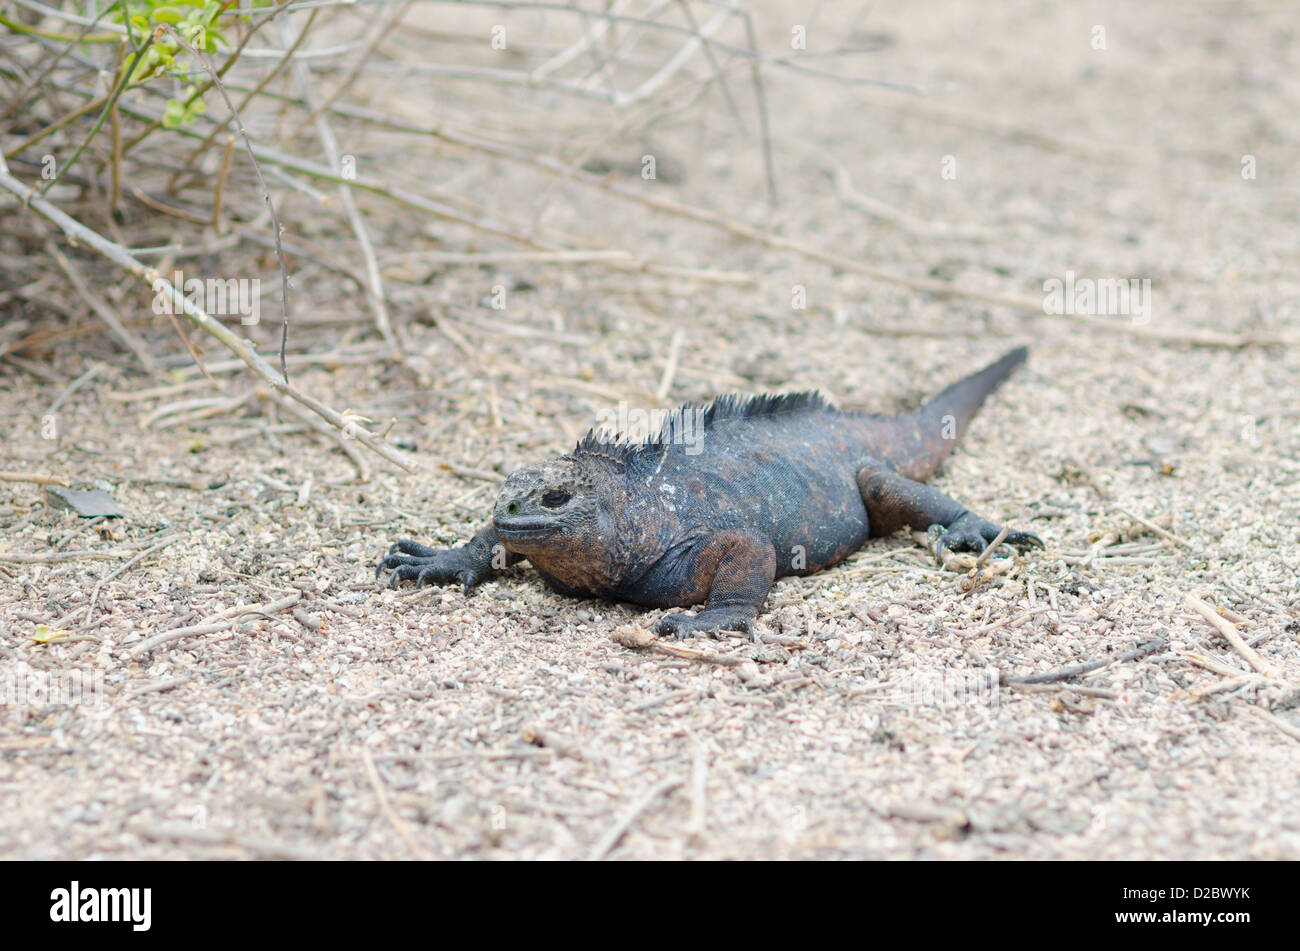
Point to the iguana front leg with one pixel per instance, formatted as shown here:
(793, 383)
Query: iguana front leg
(469, 564)
(893, 502)
(736, 568)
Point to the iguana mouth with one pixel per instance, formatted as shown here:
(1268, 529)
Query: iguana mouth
(524, 528)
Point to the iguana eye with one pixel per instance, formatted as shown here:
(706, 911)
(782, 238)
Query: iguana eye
(512, 508)
(555, 498)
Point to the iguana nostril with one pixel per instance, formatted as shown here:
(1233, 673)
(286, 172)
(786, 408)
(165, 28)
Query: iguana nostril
(512, 508)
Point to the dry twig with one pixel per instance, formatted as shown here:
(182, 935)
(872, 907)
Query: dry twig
(1075, 670)
(611, 838)
(1229, 632)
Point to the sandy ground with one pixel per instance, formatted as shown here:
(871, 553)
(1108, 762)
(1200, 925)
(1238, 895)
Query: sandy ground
(867, 722)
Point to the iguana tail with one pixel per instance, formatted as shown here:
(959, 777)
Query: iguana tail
(921, 441)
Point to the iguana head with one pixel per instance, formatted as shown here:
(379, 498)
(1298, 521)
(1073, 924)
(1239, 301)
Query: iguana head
(553, 507)
(579, 518)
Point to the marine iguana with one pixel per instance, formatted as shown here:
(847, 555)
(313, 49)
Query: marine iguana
(780, 485)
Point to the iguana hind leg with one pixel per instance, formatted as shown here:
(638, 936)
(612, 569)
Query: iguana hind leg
(736, 568)
(894, 502)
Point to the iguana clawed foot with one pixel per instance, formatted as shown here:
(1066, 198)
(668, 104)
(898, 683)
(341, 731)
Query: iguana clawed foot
(411, 561)
(972, 533)
(710, 621)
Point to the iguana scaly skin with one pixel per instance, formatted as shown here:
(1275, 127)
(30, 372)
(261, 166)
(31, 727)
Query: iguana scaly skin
(770, 486)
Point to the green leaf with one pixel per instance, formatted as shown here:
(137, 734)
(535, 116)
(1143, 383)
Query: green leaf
(174, 114)
(44, 634)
